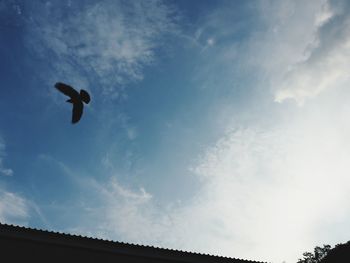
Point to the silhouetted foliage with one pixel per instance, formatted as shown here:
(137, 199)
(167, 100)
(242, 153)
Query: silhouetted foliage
(339, 254)
(317, 256)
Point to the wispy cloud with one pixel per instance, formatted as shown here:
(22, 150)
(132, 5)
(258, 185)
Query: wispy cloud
(122, 213)
(3, 170)
(269, 190)
(18, 209)
(275, 188)
(14, 209)
(266, 194)
(326, 61)
(111, 40)
(302, 50)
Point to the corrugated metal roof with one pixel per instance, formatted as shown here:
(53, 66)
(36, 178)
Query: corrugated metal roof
(71, 240)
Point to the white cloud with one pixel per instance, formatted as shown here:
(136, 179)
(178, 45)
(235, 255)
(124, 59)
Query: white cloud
(274, 191)
(267, 193)
(3, 170)
(305, 49)
(210, 41)
(327, 64)
(112, 40)
(14, 209)
(123, 214)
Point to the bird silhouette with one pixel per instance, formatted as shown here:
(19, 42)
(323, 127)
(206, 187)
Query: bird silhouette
(76, 99)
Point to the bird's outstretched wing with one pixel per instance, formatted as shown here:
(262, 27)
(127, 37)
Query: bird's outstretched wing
(77, 111)
(84, 95)
(67, 90)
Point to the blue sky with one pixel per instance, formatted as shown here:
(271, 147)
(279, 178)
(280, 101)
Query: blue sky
(218, 127)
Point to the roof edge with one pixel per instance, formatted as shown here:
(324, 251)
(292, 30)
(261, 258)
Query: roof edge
(86, 242)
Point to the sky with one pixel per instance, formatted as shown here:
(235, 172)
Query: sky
(218, 127)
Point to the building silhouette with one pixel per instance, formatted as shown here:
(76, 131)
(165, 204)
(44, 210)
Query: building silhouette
(20, 244)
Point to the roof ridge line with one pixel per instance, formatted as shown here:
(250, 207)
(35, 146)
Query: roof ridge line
(121, 242)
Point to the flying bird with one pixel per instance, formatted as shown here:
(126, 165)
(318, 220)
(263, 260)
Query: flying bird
(76, 99)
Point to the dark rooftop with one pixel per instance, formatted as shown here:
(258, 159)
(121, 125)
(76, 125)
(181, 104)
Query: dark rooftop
(21, 243)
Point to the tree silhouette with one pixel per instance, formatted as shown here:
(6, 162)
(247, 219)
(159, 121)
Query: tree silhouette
(339, 254)
(317, 256)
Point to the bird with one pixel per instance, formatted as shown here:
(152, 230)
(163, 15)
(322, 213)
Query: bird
(76, 99)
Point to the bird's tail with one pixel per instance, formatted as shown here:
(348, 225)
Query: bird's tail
(70, 100)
